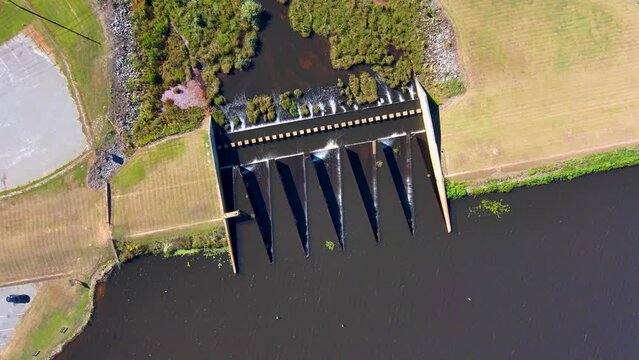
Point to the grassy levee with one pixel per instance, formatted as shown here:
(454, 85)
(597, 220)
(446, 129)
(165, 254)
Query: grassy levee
(12, 19)
(57, 228)
(566, 170)
(87, 60)
(546, 81)
(166, 186)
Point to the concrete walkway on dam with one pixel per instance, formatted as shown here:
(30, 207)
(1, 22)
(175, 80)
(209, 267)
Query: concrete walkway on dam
(408, 122)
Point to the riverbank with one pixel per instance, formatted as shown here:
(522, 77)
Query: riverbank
(561, 171)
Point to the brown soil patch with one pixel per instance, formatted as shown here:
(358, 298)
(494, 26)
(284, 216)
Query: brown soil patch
(37, 37)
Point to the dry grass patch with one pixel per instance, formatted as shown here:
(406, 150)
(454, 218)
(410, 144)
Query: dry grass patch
(54, 229)
(545, 80)
(169, 185)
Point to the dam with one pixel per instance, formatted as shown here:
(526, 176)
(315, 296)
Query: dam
(394, 139)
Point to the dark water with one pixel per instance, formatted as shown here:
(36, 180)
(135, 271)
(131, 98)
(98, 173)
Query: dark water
(285, 60)
(556, 278)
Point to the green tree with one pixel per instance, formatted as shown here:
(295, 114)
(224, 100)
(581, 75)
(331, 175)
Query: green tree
(251, 11)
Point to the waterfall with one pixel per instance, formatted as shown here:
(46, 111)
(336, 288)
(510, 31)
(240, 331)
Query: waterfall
(310, 109)
(343, 108)
(355, 107)
(401, 97)
(322, 108)
(411, 91)
(333, 105)
(388, 96)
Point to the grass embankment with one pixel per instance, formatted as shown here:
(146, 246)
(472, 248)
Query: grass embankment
(166, 186)
(53, 229)
(543, 79)
(567, 170)
(12, 19)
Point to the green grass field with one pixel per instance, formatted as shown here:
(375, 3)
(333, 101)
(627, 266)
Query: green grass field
(546, 81)
(12, 19)
(165, 187)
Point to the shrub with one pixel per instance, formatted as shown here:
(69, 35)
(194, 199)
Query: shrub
(260, 108)
(455, 190)
(251, 11)
(298, 93)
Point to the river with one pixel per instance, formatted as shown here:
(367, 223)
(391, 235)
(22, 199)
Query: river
(555, 278)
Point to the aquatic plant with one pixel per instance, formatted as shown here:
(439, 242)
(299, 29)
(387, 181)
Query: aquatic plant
(330, 245)
(496, 208)
(379, 164)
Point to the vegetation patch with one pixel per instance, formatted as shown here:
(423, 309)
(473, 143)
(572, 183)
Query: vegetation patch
(171, 121)
(205, 240)
(491, 207)
(330, 245)
(567, 170)
(455, 189)
(260, 108)
(175, 40)
(383, 36)
(362, 89)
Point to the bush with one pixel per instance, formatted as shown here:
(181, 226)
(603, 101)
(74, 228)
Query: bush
(455, 190)
(218, 118)
(387, 38)
(260, 108)
(363, 88)
(219, 100)
(171, 121)
(251, 11)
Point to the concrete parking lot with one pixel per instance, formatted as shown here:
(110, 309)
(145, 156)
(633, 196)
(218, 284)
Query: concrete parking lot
(10, 314)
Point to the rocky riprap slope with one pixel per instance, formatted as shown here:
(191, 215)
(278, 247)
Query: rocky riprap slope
(441, 48)
(124, 109)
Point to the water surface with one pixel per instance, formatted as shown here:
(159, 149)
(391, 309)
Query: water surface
(556, 278)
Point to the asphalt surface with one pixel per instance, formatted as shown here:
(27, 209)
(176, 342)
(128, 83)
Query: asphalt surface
(10, 314)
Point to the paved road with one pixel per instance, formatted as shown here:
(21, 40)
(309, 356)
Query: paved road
(10, 314)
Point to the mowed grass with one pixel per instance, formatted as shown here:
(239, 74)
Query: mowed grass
(547, 80)
(54, 229)
(12, 19)
(167, 186)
